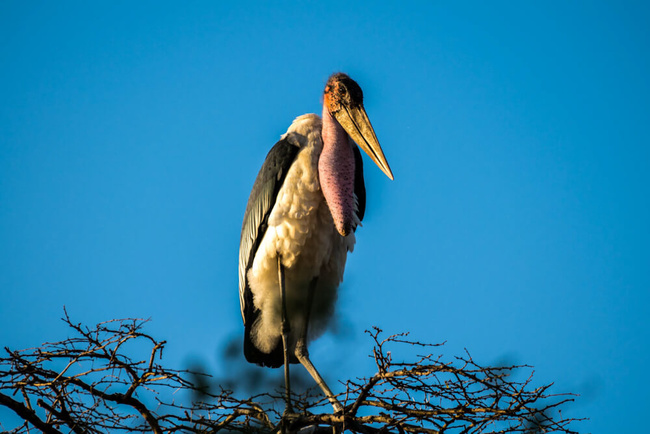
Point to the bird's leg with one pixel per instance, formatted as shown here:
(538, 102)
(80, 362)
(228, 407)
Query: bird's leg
(285, 335)
(303, 355)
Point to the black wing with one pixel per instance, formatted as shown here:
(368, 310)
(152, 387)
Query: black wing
(260, 203)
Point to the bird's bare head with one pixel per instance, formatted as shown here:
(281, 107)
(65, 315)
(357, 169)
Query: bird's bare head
(343, 99)
(341, 91)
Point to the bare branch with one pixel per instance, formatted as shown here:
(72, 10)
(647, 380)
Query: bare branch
(88, 383)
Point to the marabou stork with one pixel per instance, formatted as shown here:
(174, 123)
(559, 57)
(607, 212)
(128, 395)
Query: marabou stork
(306, 203)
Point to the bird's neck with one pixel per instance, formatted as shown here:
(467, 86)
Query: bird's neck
(336, 173)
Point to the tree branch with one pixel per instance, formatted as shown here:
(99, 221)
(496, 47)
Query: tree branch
(89, 384)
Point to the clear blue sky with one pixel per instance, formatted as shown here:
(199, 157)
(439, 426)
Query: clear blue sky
(517, 225)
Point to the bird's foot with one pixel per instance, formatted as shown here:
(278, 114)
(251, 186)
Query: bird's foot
(288, 417)
(336, 405)
(289, 412)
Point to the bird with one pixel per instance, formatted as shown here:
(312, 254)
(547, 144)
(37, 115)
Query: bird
(299, 225)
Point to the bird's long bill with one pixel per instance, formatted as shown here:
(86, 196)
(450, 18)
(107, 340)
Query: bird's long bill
(355, 121)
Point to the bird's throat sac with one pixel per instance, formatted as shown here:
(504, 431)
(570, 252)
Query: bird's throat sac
(336, 174)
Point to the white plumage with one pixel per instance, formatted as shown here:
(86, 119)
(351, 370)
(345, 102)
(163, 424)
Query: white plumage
(301, 230)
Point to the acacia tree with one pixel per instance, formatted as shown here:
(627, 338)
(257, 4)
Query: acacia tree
(90, 383)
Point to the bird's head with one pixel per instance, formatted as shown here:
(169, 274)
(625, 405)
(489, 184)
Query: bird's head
(343, 99)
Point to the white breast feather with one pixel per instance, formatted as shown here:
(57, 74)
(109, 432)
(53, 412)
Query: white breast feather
(301, 230)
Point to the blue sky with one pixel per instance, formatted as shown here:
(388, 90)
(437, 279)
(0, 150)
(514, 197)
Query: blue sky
(516, 227)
